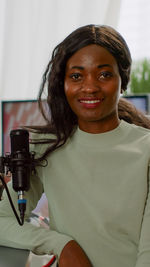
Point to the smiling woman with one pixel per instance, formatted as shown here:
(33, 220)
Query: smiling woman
(97, 174)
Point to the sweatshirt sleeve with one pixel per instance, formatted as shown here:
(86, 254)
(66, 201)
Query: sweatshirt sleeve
(37, 239)
(143, 259)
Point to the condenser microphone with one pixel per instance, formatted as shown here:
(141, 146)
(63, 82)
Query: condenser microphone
(20, 159)
(20, 165)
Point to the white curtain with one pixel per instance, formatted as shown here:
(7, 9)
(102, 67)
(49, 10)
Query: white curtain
(30, 29)
(134, 25)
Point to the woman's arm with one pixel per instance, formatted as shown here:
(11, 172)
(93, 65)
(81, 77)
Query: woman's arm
(143, 259)
(37, 239)
(73, 255)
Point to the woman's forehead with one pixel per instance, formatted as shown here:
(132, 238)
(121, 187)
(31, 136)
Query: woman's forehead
(91, 54)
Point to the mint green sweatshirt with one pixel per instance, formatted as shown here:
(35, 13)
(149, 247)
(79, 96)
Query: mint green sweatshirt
(97, 186)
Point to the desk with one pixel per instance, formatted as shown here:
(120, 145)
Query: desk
(11, 257)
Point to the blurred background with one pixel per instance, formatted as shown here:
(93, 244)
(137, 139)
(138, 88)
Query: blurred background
(29, 31)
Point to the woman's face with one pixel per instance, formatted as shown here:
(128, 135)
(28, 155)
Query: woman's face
(92, 87)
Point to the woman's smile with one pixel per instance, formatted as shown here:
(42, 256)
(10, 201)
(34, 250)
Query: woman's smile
(91, 102)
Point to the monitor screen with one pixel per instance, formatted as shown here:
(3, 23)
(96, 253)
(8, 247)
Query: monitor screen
(141, 102)
(16, 114)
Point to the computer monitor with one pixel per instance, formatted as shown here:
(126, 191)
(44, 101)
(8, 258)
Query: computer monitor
(141, 102)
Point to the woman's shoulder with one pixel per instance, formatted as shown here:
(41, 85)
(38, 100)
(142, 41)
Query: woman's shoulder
(35, 136)
(137, 130)
(39, 142)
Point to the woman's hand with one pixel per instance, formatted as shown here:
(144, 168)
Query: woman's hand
(73, 255)
(7, 177)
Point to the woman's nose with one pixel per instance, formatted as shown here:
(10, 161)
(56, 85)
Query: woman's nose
(90, 85)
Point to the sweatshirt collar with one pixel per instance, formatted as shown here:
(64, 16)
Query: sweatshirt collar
(107, 138)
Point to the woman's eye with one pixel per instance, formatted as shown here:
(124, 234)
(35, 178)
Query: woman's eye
(105, 75)
(75, 76)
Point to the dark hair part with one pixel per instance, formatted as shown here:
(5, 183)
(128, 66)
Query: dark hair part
(63, 121)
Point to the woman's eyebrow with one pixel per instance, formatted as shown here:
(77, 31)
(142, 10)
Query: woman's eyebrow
(77, 67)
(99, 66)
(104, 65)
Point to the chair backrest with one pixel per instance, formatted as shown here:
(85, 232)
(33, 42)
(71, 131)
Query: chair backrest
(11, 257)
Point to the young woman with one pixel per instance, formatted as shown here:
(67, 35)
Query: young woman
(97, 177)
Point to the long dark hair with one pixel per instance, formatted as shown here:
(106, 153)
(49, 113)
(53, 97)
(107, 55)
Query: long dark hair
(60, 119)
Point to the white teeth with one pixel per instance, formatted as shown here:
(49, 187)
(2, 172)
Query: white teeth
(90, 101)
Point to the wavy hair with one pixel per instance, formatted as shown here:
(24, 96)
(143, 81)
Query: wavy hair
(60, 119)
(129, 113)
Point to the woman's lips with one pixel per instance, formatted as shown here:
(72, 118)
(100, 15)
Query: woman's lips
(90, 103)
